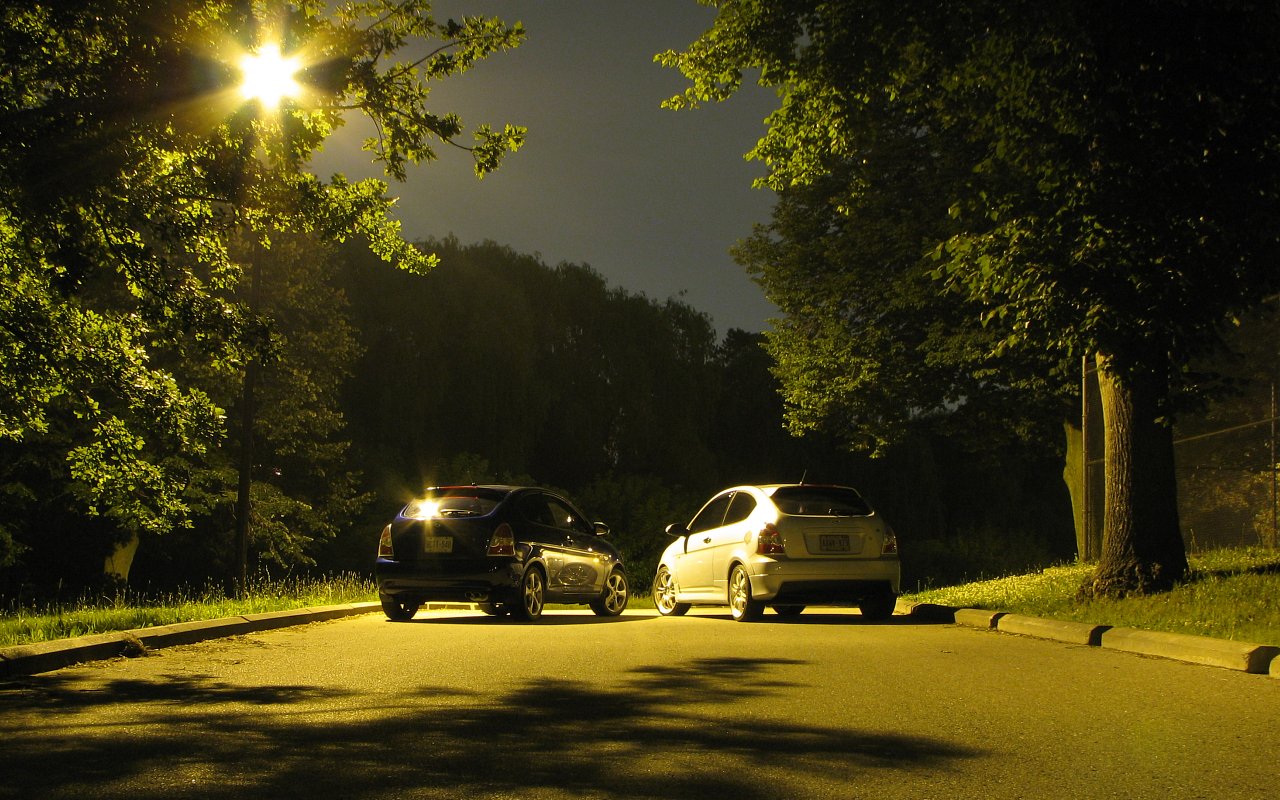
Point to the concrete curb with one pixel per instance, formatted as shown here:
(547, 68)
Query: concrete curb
(1248, 657)
(29, 659)
(1243, 656)
(1056, 629)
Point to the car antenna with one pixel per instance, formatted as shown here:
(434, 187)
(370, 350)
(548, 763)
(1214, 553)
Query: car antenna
(803, 475)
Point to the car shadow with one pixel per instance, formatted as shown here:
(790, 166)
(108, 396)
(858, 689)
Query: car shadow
(548, 618)
(820, 618)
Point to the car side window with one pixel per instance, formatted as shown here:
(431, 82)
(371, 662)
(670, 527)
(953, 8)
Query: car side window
(740, 508)
(533, 507)
(566, 518)
(711, 515)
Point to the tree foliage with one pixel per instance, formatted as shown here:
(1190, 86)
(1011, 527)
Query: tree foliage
(128, 161)
(1106, 182)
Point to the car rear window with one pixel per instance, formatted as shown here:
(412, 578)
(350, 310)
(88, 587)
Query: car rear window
(464, 501)
(820, 501)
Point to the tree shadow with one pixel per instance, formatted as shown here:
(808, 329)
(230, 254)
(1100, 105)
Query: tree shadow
(677, 732)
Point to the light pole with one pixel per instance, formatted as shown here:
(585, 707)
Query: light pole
(268, 78)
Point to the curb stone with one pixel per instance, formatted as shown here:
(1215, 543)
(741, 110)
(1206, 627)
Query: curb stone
(29, 659)
(1242, 656)
(978, 618)
(1056, 629)
(1248, 657)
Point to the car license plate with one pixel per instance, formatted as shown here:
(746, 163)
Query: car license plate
(438, 544)
(833, 543)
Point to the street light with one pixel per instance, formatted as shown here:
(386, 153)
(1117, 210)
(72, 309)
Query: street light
(268, 77)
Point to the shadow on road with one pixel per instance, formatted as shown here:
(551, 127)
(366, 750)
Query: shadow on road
(660, 731)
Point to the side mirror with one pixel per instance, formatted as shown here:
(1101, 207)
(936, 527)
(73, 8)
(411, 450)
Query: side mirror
(601, 529)
(676, 529)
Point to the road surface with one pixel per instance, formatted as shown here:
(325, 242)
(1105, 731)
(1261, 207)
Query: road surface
(458, 705)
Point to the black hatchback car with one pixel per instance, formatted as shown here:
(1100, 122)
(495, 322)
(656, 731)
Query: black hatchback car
(508, 549)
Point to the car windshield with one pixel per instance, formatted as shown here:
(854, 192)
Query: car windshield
(820, 501)
(467, 501)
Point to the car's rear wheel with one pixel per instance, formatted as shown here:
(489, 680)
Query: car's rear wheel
(664, 594)
(742, 605)
(533, 591)
(613, 601)
(788, 611)
(398, 610)
(878, 606)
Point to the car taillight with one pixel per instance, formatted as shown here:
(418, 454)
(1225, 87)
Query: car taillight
(769, 541)
(503, 541)
(890, 546)
(385, 550)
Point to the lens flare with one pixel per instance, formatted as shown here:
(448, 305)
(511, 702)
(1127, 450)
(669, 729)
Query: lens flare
(268, 76)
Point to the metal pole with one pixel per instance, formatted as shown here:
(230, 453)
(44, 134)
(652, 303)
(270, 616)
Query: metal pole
(1085, 529)
(1274, 538)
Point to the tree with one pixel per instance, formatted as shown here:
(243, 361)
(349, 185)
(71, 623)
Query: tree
(128, 160)
(1117, 198)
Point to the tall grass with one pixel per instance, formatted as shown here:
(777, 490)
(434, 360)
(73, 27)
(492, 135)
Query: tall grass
(125, 609)
(1230, 594)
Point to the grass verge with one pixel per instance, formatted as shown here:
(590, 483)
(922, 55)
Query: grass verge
(126, 611)
(1230, 594)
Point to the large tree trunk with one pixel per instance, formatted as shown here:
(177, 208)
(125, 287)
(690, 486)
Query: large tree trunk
(1142, 549)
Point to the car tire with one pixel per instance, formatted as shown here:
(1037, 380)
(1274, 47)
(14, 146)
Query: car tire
(532, 595)
(613, 601)
(788, 611)
(878, 607)
(664, 595)
(398, 610)
(742, 605)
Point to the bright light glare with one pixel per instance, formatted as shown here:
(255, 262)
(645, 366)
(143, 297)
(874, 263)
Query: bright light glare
(422, 509)
(267, 76)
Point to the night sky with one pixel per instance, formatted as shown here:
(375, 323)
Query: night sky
(652, 199)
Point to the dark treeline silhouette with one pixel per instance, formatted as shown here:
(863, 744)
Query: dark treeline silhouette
(496, 367)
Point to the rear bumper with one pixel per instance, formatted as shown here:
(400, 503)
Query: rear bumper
(474, 582)
(823, 581)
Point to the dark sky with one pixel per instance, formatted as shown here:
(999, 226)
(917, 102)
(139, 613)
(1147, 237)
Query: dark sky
(650, 198)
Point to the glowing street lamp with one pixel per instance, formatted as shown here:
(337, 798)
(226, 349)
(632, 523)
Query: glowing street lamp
(268, 77)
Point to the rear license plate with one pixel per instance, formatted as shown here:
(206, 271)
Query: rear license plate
(437, 544)
(833, 543)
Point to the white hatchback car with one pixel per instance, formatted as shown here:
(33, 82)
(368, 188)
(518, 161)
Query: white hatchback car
(786, 546)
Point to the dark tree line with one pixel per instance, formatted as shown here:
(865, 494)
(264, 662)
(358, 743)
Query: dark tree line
(497, 367)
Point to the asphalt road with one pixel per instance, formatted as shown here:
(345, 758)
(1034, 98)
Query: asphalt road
(458, 705)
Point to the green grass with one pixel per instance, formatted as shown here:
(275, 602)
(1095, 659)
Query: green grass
(1231, 594)
(126, 611)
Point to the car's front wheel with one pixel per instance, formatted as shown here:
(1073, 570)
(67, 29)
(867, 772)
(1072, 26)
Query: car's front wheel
(533, 592)
(742, 605)
(613, 601)
(398, 610)
(664, 594)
